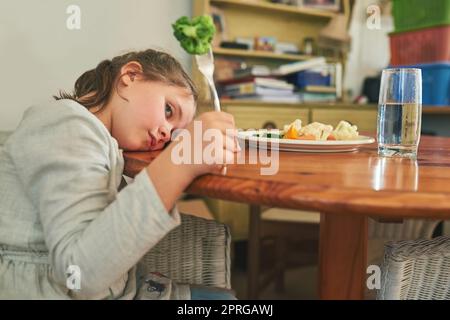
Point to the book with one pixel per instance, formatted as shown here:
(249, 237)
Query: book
(320, 89)
(338, 79)
(331, 5)
(252, 88)
(224, 68)
(263, 82)
(256, 71)
(286, 47)
(289, 68)
(291, 98)
(318, 97)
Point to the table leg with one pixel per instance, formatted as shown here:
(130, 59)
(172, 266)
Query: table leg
(342, 256)
(253, 257)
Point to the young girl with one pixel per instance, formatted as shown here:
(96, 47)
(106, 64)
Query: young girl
(60, 208)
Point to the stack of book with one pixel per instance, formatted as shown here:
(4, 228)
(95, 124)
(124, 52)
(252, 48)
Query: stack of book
(259, 88)
(319, 84)
(295, 82)
(318, 94)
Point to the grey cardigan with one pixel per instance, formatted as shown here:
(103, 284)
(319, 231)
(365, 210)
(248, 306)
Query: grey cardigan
(60, 207)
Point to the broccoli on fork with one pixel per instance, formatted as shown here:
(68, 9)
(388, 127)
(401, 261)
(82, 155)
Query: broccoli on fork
(195, 35)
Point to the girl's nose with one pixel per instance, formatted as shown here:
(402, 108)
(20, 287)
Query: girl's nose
(164, 133)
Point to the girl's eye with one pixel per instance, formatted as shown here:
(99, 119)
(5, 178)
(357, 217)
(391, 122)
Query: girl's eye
(169, 111)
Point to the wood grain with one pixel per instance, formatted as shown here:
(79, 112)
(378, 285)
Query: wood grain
(342, 256)
(359, 183)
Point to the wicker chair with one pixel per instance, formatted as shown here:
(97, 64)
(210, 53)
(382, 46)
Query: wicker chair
(416, 270)
(196, 252)
(382, 233)
(308, 222)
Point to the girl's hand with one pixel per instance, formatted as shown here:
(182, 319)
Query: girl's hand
(223, 127)
(171, 179)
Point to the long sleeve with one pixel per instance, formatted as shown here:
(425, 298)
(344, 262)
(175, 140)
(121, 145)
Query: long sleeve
(63, 160)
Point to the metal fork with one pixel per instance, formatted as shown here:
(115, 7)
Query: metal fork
(205, 63)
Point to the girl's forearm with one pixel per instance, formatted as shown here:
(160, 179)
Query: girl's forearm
(169, 179)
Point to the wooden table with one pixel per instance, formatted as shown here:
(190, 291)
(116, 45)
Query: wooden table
(347, 188)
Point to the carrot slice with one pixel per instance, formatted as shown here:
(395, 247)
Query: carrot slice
(307, 137)
(331, 137)
(292, 133)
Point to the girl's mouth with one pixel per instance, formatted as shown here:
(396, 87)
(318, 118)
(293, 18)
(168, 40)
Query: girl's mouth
(151, 140)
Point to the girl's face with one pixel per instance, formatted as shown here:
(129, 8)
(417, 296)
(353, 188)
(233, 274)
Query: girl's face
(146, 113)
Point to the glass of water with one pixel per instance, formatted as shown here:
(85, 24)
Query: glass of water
(400, 112)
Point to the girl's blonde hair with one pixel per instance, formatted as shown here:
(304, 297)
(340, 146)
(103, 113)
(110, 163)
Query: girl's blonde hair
(95, 86)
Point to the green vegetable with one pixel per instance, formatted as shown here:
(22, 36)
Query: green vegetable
(195, 35)
(269, 135)
(274, 135)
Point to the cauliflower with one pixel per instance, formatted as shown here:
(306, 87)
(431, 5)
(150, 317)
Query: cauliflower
(319, 130)
(291, 131)
(345, 131)
(297, 124)
(195, 36)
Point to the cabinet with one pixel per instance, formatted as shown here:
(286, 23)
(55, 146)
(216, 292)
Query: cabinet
(265, 116)
(366, 120)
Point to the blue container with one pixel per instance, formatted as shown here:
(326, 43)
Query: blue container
(435, 83)
(309, 78)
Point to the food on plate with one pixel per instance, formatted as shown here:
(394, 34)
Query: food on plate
(196, 35)
(345, 131)
(316, 131)
(291, 131)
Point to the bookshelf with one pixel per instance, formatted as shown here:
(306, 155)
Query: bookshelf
(273, 7)
(261, 18)
(264, 55)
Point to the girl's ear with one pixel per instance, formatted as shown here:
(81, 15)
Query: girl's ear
(129, 72)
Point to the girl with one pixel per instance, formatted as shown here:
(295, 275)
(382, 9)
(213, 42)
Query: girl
(59, 175)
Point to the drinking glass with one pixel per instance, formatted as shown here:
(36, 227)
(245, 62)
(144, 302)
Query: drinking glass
(399, 112)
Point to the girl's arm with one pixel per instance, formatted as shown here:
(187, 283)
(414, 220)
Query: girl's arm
(170, 180)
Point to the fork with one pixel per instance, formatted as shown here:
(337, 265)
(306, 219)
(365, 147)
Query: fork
(205, 63)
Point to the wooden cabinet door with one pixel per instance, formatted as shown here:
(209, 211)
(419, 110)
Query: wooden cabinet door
(257, 117)
(366, 120)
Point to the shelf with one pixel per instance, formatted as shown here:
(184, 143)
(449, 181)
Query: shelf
(264, 54)
(436, 110)
(231, 102)
(331, 105)
(260, 54)
(444, 110)
(277, 7)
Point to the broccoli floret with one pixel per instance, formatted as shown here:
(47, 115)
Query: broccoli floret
(195, 36)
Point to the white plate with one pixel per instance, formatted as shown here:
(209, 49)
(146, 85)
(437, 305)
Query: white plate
(302, 145)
